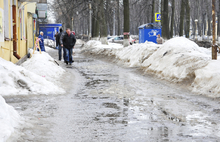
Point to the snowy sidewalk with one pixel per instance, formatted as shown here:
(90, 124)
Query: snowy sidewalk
(39, 75)
(179, 60)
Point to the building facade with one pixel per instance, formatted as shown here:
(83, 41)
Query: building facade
(17, 28)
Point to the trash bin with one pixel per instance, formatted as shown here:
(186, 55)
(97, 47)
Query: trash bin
(149, 32)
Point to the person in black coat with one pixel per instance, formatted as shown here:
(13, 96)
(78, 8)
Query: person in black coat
(68, 41)
(59, 45)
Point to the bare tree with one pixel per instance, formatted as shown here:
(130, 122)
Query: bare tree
(126, 22)
(164, 20)
(103, 30)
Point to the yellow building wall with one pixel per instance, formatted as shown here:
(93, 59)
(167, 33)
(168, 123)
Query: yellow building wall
(23, 43)
(6, 47)
(29, 31)
(2, 51)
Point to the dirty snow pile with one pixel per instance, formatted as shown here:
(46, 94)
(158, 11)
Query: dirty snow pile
(45, 66)
(79, 41)
(178, 60)
(9, 119)
(16, 80)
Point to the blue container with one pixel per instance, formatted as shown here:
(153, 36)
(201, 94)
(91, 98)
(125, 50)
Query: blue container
(149, 32)
(49, 30)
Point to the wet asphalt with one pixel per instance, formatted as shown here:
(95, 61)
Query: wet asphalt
(106, 102)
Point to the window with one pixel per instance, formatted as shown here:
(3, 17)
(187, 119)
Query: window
(6, 19)
(23, 24)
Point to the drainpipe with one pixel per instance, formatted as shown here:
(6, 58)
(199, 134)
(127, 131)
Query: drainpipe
(14, 31)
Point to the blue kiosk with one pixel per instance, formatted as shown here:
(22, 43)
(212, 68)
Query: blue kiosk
(149, 32)
(49, 30)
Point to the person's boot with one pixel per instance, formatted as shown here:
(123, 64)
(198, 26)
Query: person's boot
(66, 62)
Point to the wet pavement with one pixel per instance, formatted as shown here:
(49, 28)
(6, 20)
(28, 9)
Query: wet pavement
(109, 103)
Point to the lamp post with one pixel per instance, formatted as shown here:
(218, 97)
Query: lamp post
(196, 36)
(90, 20)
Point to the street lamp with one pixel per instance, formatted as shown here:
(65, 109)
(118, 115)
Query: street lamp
(196, 36)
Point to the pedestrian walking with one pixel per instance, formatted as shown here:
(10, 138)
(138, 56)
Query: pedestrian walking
(56, 40)
(159, 39)
(41, 42)
(68, 41)
(59, 45)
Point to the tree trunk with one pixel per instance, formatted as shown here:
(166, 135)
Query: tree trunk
(94, 21)
(118, 15)
(103, 24)
(165, 21)
(187, 19)
(152, 12)
(126, 23)
(182, 17)
(209, 20)
(97, 21)
(172, 18)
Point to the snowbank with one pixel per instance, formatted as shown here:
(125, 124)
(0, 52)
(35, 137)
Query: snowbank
(16, 80)
(44, 66)
(9, 119)
(178, 60)
(207, 79)
(79, 41)
(49, 42)
(135, 55)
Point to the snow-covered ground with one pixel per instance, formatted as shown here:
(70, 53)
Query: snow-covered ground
(39, 75)
(45, 66)
(9, 119)
(33, 77)
(178, 60)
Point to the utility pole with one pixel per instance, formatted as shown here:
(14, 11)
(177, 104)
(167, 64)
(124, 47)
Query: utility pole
(72, 23)
(214, 46)
(90, 20)
(114, 21)
(159, 6)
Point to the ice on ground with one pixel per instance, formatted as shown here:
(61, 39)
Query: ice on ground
(45, 66)
(16, 80)
(178, 60)
(9, 119)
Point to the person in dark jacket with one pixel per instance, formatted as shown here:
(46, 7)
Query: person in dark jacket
(68, 41)
(59, 45)
(41, 42)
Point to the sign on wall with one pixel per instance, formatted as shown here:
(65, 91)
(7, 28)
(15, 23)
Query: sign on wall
(1, 25)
